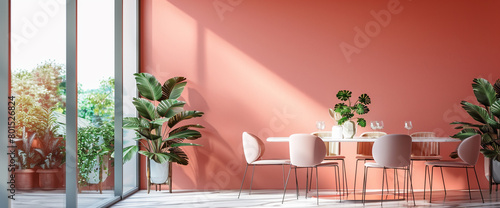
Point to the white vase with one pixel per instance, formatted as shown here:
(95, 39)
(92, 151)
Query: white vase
(349, 129)
(159, 172)
(337, 132)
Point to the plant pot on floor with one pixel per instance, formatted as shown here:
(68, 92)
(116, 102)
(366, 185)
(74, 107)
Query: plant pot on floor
(25, 179)
(492, 171)
(159, 173)
(47, 178)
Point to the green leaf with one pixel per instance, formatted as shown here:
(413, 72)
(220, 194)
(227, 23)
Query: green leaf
(148, 86)
(179, 156)
(364, 99)
(489, 153)
(342, 120)
(184, 144)
(173, 87)
(496, 86)
(484, 91)
(145, 108)
(182, 128)
(186, 134)
(344, 95)
(159, 157)
(166, 108)
(183, 116)
(476, 112)
(131, 123)
(361, 122)
(159, 122)
(361, 109)
(495, 108)
(465, 133)
(129, 152)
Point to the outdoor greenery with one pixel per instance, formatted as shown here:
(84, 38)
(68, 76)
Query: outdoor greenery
(52, 146)
(487, 113)
(159, 113)
(348, 110)
(97, 105)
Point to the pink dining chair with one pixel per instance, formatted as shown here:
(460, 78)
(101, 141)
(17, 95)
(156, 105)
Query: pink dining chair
(333, 153)
(468, 152)
(390, 152)
(254, 148)
(308, 151)
(364, 151)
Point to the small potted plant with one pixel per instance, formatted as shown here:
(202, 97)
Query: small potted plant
(487, 113)
(26, 159)
(347, 110)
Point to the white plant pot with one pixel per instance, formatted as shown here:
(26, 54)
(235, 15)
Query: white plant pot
(159, 172)
(94, 175)
(349, 129)
(337, 132)
(496, 169)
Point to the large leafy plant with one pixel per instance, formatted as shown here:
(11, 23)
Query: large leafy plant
(159, 114)
(52, 148)
(347, 109)
(487, 113)
(26, 156)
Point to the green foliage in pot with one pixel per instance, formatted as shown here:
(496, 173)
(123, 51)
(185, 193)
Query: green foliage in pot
(347, 109)
(94, 144)
(26, 156)
(487, 113)
(159, 114)
(52, 147)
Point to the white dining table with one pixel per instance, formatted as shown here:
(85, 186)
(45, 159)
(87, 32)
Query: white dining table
(365, 139)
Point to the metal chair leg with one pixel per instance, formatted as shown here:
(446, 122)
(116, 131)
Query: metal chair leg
(307, 181)
(296, 183)
(468, 184)
(244, 175)
(479, 186)
(411, 185)
(344, 179)
(425, 177)
(284, 190)
(338, 178)
(355, 176)
(382, 195)
(363, 196)
(317, 192)
(430, 185)
(444, 186)
(251, 181)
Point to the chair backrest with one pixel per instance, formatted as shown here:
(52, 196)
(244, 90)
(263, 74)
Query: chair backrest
(332, 148)
(424, 148)
(365, 148)
(393, 150)
(306, 150)
(468, 149)
(253, 147)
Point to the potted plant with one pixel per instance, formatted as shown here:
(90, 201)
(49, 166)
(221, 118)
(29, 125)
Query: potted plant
(347, 111)
(25, 160)
(159, 114)
(95, 145)
(51, 151)
(487, 113)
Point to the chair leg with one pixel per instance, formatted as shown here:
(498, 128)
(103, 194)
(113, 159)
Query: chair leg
(296, 183)
(444, 186)
(251, 181)
(286, 182)
(244, 175)
(317, 192)
(355, 176)
(363, 196)
(307, 181)
(479, 186)
(382, 195)
(411, 185)
(468, 184)
(430, 184)
(311, 179)
(283, 171)
(344, 179)
(338, 179)
(426, 169)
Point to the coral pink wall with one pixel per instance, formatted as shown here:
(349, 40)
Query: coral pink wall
(273, 68)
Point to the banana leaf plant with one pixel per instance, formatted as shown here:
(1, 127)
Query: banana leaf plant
(160, 113)
(26, 156)
(348, 110)
(487, 114)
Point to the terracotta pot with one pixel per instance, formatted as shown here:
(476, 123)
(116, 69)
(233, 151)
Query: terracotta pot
(47, 178)
(25, 179)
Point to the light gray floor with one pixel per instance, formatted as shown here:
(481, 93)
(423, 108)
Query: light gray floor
(272, 198)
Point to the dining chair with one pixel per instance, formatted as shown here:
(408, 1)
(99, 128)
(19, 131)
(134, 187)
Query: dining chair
(253, 149)
(424, 151)
(468, 152)
(390, 152)
(333, 153)
(364, 150)
(308, 151)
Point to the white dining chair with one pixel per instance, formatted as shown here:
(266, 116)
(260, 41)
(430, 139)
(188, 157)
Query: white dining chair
(253, 149)
(308, 151)
(468, 152)
(390, 152)
(364, 151)
(333, 153)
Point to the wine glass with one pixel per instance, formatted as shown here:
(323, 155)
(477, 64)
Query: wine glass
(380, 125)
(408, 125)
(374, 125)
(320, 125)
